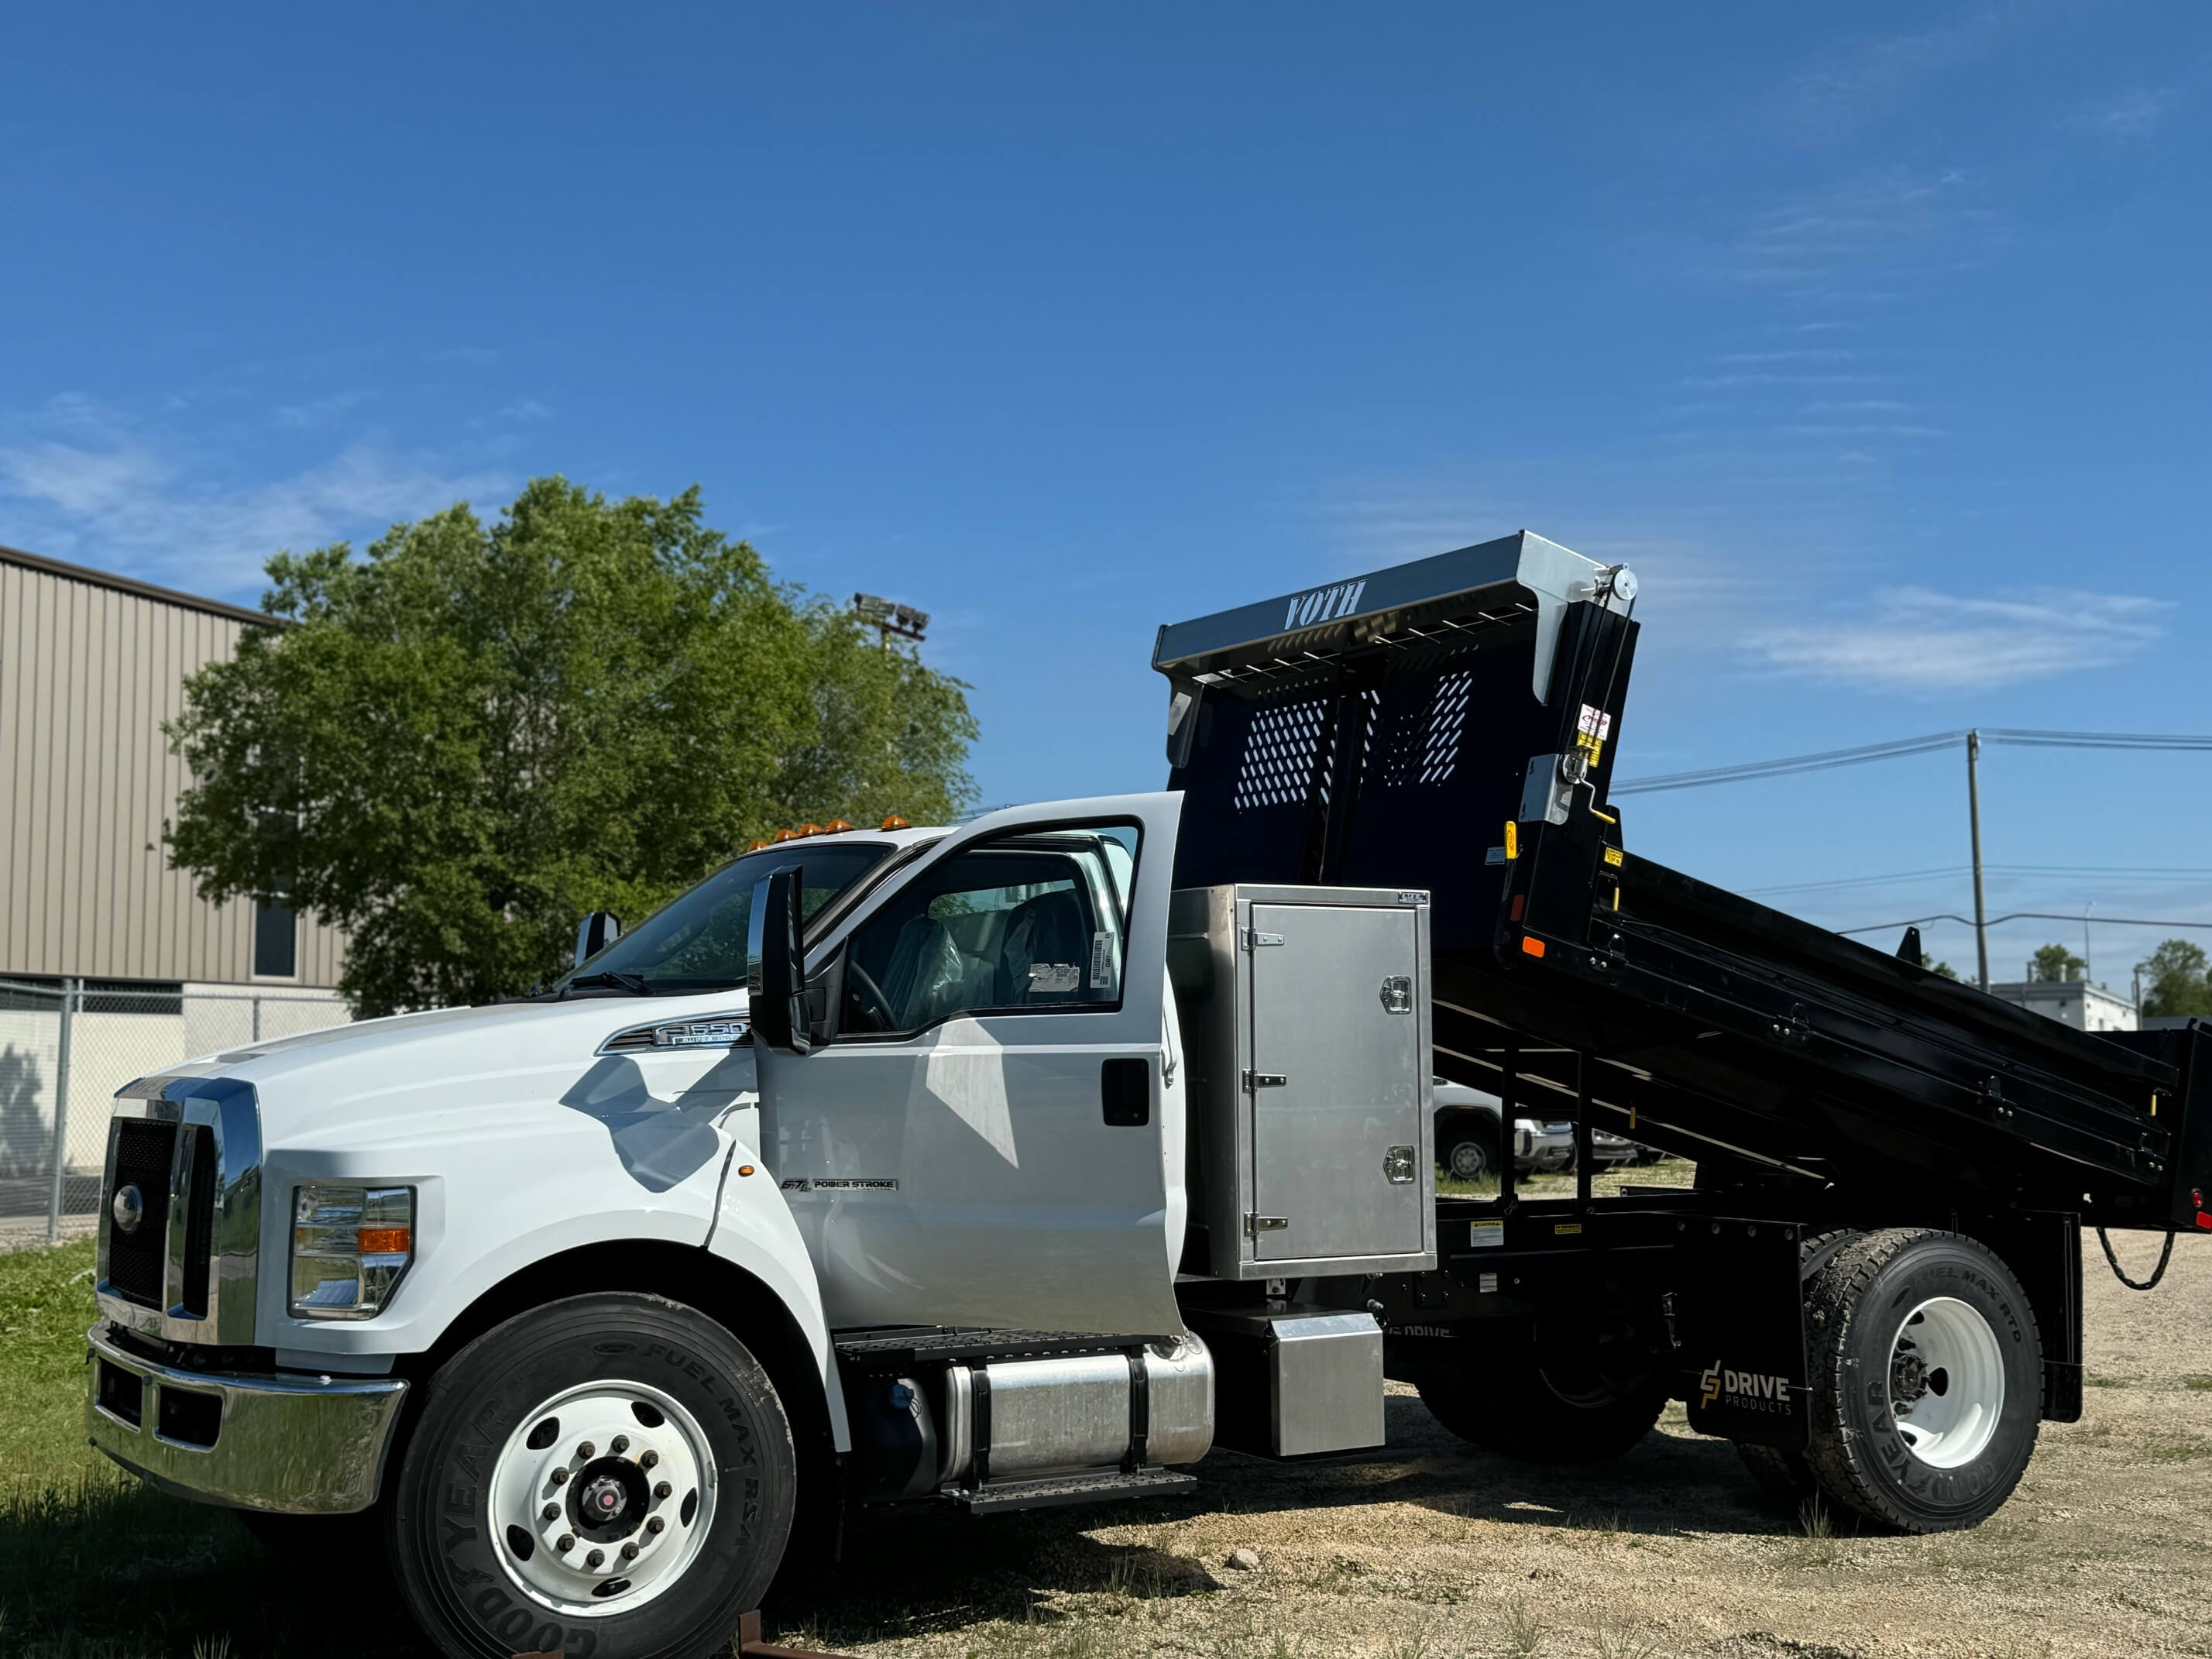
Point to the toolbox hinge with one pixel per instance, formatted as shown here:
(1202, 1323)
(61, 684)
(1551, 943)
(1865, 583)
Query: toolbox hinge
(1256, 1225)
(1255, 1081)
(1253, 939)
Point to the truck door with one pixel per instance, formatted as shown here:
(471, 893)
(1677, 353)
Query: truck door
(979, 1142)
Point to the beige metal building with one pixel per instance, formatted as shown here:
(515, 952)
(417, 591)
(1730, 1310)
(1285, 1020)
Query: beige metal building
(90, 666)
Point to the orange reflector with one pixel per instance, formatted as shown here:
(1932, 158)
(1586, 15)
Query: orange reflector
(384, 1241)
(755, 847)
(745, 1169)
(1532, 946)
(835, 827)
(894, 822)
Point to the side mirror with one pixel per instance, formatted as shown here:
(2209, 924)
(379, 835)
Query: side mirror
(775, 964)
(594, 933)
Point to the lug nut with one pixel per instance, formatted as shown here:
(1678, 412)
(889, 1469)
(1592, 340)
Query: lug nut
(560, 1477)
(646, 1460)
(630, 1551)
(551, 1512)
(595, 1560)
(656, 1526)
(663, 1489)
(565, 1542)
(619, 1445)
(587, 1450)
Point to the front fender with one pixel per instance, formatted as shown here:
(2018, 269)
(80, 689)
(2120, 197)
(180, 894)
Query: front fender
(754, 1230)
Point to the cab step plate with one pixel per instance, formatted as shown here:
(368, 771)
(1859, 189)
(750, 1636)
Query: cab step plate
(1002, 1497)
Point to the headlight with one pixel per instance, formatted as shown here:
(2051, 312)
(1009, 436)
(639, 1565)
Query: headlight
(350, 1247)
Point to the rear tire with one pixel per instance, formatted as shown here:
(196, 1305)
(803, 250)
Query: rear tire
(1927, 1379)
(690, 1468)
(1784, 1476)
(1579, 1392)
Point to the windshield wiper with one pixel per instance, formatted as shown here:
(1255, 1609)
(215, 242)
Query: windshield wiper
(635, 984)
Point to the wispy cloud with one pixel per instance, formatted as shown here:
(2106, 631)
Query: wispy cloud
(2134, 114)
(1917, 639)
(1873, 234)
(94, 484)
(319, 411)
(1861, 81)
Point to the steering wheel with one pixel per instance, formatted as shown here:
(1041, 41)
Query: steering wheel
(870, 995)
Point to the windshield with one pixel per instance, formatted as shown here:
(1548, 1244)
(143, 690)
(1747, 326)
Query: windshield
(697, 943)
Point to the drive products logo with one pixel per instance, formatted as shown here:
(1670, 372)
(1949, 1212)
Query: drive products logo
(1748, 1391)
(1325, 605)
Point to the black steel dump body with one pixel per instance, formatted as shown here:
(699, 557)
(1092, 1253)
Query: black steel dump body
(1452, 725)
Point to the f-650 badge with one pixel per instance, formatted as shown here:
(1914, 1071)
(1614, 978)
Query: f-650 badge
(1325, 604)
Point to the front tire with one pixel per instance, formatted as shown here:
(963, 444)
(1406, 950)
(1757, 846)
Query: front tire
(609, 1473)
(1927, 1378)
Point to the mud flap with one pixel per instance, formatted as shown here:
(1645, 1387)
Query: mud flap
(1740, 1312)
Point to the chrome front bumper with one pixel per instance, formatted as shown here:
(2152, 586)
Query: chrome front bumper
(296, 1445)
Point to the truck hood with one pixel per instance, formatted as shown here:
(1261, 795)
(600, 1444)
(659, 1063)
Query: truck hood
(512, 1070)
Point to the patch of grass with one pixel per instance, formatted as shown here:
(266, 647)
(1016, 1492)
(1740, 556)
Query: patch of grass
(1816, 1544)
(2198, 1384)
(1622, 1643)
(2177, 1448)
(1523, 1630)
(93, 1565)
(2096, 1381)
(46, 1308)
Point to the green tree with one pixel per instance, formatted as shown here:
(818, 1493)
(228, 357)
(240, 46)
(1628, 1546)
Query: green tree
(2054, 962)
(2174, 979)
(477, 733)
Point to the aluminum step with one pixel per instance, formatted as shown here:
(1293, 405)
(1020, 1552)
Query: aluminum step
(1003, 1497)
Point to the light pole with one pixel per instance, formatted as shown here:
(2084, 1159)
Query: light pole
(1974, 823)
(902, 620)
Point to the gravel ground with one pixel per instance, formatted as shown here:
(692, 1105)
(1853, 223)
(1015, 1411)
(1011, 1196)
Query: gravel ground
(1433, 1550)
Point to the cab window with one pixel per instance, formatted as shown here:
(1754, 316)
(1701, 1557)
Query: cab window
(1031, 923)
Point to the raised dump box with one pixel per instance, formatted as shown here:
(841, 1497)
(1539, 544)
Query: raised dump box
(1452, 725)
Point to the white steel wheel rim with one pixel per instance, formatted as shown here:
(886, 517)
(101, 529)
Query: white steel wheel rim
(1946, 1384)
(1468, 1160)
(642, 1440)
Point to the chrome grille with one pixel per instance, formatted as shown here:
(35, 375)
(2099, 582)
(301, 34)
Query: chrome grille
(139, 1155)
(189, 1270)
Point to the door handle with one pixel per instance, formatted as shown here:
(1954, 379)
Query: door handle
(1125, 1093)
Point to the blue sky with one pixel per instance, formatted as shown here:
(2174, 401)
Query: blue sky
(1876, 339)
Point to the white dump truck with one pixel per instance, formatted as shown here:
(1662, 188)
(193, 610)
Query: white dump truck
(1026, 1161)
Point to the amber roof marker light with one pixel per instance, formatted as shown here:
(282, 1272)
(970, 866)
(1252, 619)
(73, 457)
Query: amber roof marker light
(894, 822)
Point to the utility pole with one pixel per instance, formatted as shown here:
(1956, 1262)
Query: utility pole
(1974, 823)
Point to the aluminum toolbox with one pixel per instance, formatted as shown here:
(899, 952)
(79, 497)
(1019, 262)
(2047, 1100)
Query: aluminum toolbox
(1305, 1016)
(1295, 1381)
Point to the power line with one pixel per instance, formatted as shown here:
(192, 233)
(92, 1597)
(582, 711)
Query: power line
(1790, 764)
(1828, 760)
(2030, 872)
(2023, 915)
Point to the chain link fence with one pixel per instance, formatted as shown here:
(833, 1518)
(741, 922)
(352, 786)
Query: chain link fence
(66, 1047)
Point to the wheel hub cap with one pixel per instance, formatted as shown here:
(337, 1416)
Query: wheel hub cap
(1947, 1382)
(602, 1498)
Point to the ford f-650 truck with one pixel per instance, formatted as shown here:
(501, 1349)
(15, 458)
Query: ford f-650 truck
(1023, 1162)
